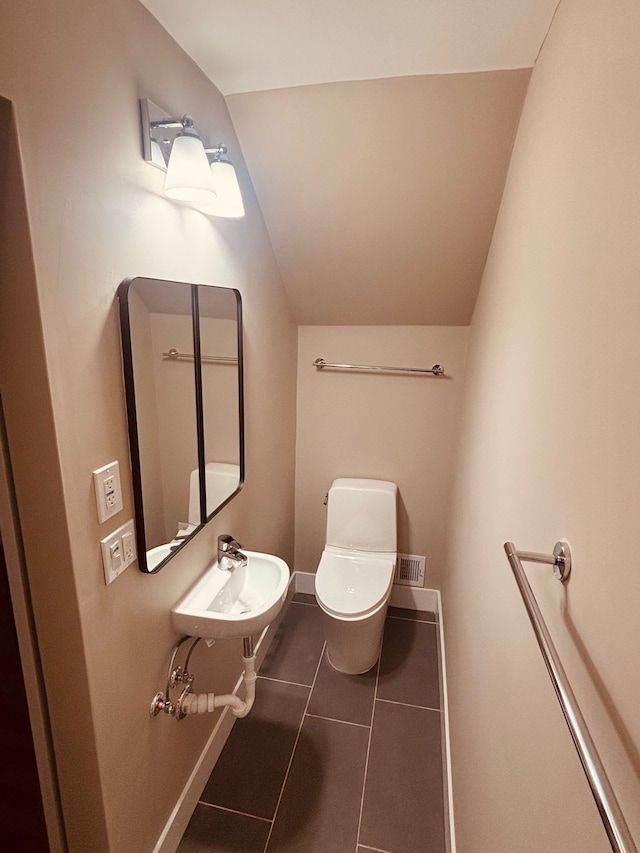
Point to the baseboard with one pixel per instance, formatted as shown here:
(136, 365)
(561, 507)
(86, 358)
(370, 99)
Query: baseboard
(414, 598)
(450, 836)
(188, 800)
(304, 582)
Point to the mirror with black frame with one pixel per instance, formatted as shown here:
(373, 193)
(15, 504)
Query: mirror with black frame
(182, 362)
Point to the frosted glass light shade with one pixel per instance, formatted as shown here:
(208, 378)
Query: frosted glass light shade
(228, 201)
(188, 174)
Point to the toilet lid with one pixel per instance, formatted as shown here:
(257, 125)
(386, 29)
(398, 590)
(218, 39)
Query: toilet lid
(353, 584)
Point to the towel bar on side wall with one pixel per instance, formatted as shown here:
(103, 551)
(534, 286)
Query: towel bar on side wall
(436, 370)
(608, 806)
(174, 355)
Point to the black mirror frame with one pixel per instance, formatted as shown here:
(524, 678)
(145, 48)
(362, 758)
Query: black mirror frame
(132, 418)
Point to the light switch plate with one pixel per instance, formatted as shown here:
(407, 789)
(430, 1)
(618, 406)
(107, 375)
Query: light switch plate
(118, 551)
(106, 483)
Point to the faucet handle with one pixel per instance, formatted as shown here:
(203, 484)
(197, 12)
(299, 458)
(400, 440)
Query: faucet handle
(229, 554)
(226, 543)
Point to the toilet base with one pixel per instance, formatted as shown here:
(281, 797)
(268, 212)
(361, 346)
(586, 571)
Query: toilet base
(350, 672)
(353, 645)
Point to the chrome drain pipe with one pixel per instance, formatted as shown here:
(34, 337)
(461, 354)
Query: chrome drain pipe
(204, 703)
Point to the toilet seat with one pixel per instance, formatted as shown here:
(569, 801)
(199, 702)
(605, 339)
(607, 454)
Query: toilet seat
(353, 584)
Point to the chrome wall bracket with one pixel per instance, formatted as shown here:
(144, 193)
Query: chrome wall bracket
(562, 565)
(560, 559)
(161, 702)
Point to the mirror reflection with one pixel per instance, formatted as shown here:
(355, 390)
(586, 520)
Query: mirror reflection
(220, 377)
(182, 352)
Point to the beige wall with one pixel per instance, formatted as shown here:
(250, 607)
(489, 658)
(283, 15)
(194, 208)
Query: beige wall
(551, 449)
(74, 72)
(386, 426)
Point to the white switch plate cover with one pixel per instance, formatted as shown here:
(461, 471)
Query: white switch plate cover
(118, 551)
(106, 482)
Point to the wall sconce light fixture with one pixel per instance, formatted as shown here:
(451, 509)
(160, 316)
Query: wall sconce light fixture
(228, 201)
(194, 173)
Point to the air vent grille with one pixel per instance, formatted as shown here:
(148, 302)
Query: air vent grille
(410, 570)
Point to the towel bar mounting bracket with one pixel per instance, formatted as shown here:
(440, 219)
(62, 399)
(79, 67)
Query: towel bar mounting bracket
(560, 559)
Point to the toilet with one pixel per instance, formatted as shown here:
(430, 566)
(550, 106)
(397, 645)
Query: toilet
(355, 574)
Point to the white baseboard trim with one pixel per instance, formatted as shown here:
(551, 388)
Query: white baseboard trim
(414, 598)
(188, 800)
(450, 835)
(304, 582)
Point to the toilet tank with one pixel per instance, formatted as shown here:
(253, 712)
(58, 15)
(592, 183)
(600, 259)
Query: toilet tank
(361, 515)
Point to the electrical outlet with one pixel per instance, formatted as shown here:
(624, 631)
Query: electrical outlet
(128, 547)
(110, 497)
(106, 483)
(118, 551)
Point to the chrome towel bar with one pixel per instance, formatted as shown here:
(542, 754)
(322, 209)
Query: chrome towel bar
(436, 370)
(174, 355)
(608, 806)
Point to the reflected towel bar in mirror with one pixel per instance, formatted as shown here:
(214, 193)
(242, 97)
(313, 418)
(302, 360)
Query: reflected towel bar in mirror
(436, 370)
(174, 355)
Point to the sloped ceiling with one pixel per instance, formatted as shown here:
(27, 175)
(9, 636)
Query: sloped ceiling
(381, 196)
(377, 137)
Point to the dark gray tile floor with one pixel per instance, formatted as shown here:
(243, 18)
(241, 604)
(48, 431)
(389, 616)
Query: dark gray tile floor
(332, 763)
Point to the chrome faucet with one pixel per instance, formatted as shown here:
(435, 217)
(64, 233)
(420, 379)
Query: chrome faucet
(230, 557)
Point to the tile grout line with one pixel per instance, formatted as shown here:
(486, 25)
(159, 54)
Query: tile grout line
(333, 720)
(366, 763)
(409, 619)
(234, 811)
(409, 705)
(282, 681)
(293, 751)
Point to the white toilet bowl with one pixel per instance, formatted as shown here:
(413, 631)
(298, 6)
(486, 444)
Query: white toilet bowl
(355, 574)
(353, 592)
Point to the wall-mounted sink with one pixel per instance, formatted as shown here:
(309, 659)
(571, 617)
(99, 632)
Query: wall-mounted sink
(224, 605)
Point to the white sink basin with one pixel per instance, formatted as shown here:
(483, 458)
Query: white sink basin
(156, 555)
(224, 605)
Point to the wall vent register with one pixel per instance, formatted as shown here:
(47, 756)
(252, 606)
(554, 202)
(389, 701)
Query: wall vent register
(410, 570)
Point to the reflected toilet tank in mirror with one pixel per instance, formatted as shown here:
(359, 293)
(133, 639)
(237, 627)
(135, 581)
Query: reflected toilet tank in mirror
(182, 362)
